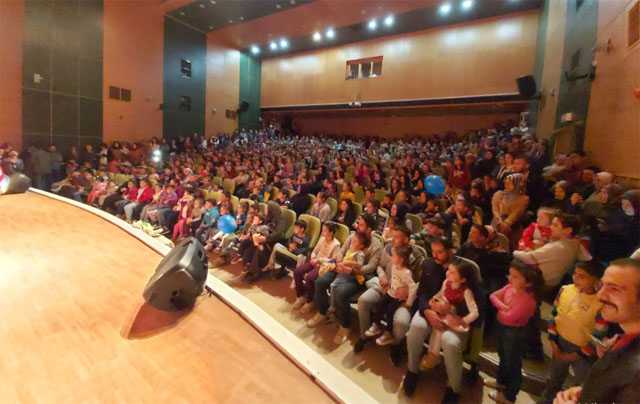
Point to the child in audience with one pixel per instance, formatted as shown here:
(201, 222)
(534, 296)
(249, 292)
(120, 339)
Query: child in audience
(537, 233)
(400, 289)
(575, 313)
(305, 274)
(516, 304)
(298, 245)
(209, 218)
(453, 308)
(198, 211)
(184, 212)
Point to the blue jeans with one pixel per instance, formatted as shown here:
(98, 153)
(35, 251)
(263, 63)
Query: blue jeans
(510, 343)
(342, 294)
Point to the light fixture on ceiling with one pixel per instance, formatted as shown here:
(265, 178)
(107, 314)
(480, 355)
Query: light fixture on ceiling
(317, 37)
(230, 21)
(389, 20)
(330, 34)
(241, 18)
(210, 27)
(373, 24)
(278, 6)
(213, 2)
(292, 2)
(284, 44)
(201, 5)
(466, 5)
(255, 49)
(444, 9)
(273, 46)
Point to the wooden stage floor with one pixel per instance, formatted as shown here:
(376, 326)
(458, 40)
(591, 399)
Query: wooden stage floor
(70, 281)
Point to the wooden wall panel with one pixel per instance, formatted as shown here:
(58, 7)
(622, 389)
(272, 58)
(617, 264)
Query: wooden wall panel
(223, 86)
(480, 57)
(398, 126)
(11, 36)
(613, 125)
(133, 59)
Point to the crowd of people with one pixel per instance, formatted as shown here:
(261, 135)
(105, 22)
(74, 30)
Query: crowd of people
(513, 228)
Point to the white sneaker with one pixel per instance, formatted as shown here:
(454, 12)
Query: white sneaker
(499, 397)
(373, 331)
(298, 303)
(316, 320)
(341, 336)
(307, 308)
(385, 339)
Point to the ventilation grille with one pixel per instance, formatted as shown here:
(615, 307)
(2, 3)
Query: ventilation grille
(634, 24)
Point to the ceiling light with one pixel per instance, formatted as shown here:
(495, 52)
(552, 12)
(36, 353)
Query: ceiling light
(241, 18)
(255, 49)
(292, 2)
(278, 6)
(388, 21)
(445, 9)
(317, 37)
(201, 5)
(373, 24)
(230, 21)
(273, 45)
(466, 5)
(330, 33)
(213, 2)
(210, 26)
(284, 44)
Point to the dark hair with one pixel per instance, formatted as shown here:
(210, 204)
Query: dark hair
(571, 221)
(628, 262)
(404, 252)
(300, 223)
(369, 220)
(483, 230)
(404, 229)
(331, 226)
(444, 241)
(593, 268)
(375, 203)
(364, 238)
(532, 275)
(469, 273)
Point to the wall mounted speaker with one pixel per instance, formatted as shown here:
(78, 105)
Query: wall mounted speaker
(243, 107)
(527, 86)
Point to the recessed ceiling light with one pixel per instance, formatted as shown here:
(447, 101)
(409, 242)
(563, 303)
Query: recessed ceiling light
(466, 4)
(317, 37)
(292, 2)
(373, 24)
(213, 2)
(284, 44)
(278, 6)
(241, 18)
(389, 20)
(273, 45)
(330, 33)
(210, 26)
(255, 49)
(201, 5)
(445, 9)
(230, 21)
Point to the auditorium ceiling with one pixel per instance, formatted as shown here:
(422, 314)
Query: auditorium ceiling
(264, 21)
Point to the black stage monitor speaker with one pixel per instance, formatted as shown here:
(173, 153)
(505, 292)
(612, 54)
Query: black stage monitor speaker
(243, 107)
(179, 278)
(16, 183)
(527, 86)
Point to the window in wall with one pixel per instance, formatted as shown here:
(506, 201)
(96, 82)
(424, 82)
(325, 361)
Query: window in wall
(364, 68)
(185, 103)
(633, 20)
(125, 95)
(185, 68)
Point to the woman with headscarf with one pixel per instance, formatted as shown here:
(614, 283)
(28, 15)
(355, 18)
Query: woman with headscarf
(508, 207)
(615, 235)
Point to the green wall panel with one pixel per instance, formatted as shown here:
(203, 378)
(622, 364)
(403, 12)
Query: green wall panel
(250, 73)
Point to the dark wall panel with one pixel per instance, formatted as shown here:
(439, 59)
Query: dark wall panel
(62, 72)
(250, 74)
(182, 42)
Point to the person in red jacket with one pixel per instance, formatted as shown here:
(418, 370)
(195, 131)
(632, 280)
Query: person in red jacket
(143, 196)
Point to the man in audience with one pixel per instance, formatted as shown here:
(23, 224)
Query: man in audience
(433, 274)
(374, 294)
(615, 377)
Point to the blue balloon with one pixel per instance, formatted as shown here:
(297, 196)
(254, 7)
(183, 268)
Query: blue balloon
(434, 185)
(227, 224)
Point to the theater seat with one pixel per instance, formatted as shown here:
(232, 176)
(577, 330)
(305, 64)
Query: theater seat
(313, 229)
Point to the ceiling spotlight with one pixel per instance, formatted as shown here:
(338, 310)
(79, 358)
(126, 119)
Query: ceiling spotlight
(330, 33)
(466, 4)
(241, 18)
(230, 21)
(317, 37)
(273, 45)
(388, 21)
(284, 44)
(213, 2)
(201, 5)
(278, 6)
(373, 24)
(445, 9)
(255, 49)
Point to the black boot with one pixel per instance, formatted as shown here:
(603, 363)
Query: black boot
(410, 383)
(359, 346)
(396, 354)
(450, 397)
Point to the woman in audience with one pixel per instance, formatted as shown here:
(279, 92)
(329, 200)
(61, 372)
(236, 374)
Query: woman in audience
(509, 206)
(346, 213)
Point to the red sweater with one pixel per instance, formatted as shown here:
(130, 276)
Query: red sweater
(144, 195)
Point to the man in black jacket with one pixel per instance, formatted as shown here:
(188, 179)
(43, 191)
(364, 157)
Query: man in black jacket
(433, 274)
(615, 377)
